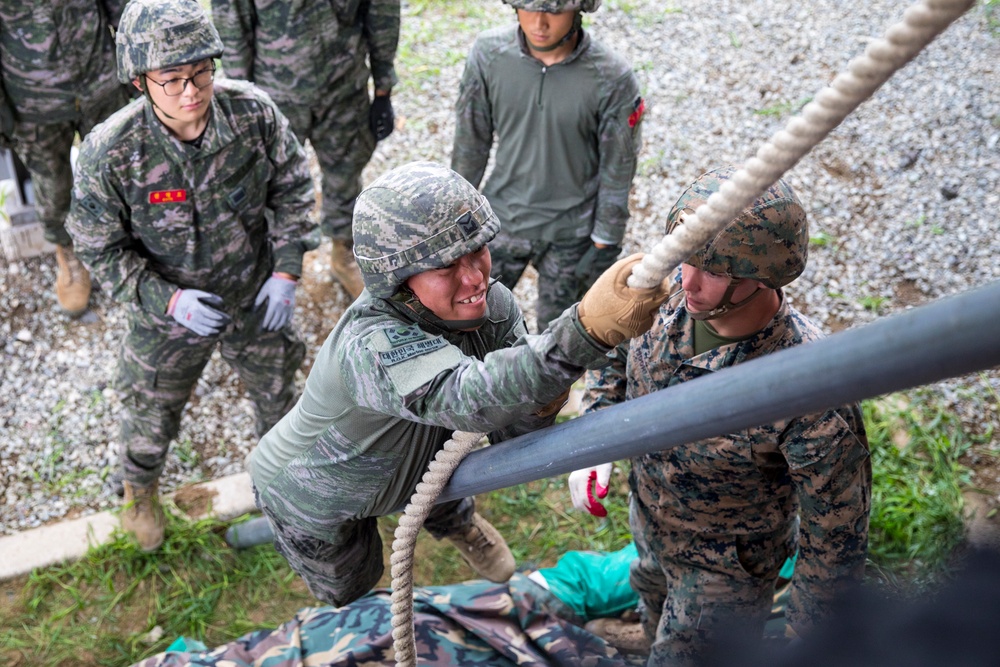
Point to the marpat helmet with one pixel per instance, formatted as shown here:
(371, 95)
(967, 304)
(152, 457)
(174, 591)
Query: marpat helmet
(768, 242)
(155, 34)
(414, 218)
(555, 6)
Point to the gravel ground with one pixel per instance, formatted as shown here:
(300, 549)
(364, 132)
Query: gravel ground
(903, 199)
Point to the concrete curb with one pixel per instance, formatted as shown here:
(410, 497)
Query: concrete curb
(224, 499)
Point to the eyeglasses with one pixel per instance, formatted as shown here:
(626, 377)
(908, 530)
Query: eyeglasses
(174, 87)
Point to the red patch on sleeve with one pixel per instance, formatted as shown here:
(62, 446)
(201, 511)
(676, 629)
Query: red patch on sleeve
(167, 196)
(638, 108)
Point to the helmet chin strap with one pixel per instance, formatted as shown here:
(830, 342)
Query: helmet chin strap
(405, 297)
(577, 24)
(145, 92)
(725, 304)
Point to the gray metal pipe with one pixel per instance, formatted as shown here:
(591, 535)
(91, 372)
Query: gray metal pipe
(947, 338)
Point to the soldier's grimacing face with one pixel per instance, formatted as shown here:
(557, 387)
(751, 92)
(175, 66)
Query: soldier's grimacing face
(704, 290)
(192, 104)
(457, 291)
(543, 29)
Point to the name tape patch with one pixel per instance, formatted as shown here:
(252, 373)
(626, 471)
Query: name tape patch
(410, 350)
(167, 196)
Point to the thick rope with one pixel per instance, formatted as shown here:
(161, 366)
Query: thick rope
(922, 22)
(404, 544)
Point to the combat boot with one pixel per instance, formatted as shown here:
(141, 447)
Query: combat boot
(484, 549)
(72, 282)
(626, 636)
(143, 516)
(345, 268)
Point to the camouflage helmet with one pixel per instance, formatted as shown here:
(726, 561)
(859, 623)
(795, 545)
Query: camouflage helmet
(414, 218)
(154, 34)
(768, 242)
(555, 6)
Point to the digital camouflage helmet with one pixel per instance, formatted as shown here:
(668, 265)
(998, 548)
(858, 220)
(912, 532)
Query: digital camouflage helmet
(155, 34)
(555, 6)
(414, 218)
(768, 242)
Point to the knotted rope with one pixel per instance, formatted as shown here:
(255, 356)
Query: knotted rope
(922, 22)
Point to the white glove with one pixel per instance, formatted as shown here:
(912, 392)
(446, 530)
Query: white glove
(580, 483)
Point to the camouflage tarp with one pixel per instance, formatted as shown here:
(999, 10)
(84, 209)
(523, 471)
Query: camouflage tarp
(472, 623)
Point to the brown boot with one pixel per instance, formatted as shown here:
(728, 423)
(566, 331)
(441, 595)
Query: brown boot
(483, 548)
(345, 268)
(626, 636)
(72, 282)
(143, 516)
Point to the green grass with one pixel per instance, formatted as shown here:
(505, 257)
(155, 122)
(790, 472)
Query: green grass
(917, 504)
(102, 609)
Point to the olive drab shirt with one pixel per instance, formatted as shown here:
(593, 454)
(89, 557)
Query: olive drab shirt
(56, 56)
(385, 394)
(568, 137)
(152, 214)
(758, 480)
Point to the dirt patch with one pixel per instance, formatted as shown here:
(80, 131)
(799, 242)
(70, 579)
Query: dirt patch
(195, 501)
(908, 294)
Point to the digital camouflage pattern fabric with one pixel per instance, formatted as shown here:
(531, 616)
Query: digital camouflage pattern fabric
(185, 216)
(311, 58)
(414, 218)
(155, 34)
(474, 623)
(768, 241)
(151, 215)
(555, 6)
(387, 390)
(707, 514)
(57, 80)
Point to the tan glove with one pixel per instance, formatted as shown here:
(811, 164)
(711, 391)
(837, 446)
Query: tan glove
(555, 405)
(611, 311)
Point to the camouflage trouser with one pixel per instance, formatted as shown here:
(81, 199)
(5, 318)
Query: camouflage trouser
(698, 593)
(556, 262)
(160, 364)
(343, 142)
(341, 570)
(44, 148)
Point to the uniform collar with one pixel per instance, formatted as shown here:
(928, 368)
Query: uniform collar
(581, 47)
(761, 343)
(218, 134)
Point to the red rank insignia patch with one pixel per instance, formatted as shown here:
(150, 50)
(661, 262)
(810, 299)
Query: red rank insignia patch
(167, 196)
(638, 108)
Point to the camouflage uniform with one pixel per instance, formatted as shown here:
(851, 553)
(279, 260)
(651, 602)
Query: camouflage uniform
(310, 58)
(57, 64)
(151, 215)
(715, 520)
(391, 384)
(472, 623)
(557, 196)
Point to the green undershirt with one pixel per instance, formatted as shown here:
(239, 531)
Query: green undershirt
(706, 338)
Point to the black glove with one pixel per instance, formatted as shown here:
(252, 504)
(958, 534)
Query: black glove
(381, 119)
(595, 262)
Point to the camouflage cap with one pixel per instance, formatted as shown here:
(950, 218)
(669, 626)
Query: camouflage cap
(767, 242)
(414, 218)
(555, 6)
(154, 34)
